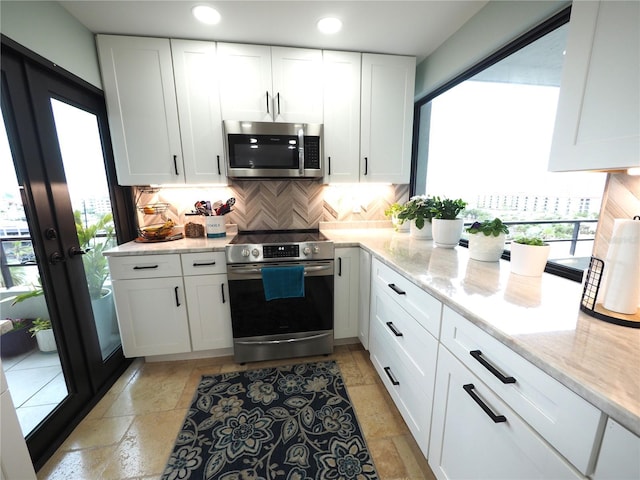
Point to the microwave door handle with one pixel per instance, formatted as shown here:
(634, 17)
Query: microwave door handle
(301, 151)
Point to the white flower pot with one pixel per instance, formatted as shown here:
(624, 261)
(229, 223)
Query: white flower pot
(423, 233)
(399, 227)
(447, 233)
(46, 340)
(529, 260)
(486, 248)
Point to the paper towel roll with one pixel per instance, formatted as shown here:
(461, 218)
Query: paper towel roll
(622, 268)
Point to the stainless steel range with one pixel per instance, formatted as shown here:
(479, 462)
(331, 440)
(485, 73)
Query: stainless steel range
(281, 294)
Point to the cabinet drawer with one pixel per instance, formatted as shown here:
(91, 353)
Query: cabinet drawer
(205, 263)
(410, 389)
(420, 305)
(145, 266)
(403, 333)
(476, 435)
(563, 418)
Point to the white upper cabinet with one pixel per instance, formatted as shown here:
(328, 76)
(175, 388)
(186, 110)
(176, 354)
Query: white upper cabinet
(386, 118)
(196, 79)
(598, 120)
(342, 116)
(262, 83)
(164, 110)
(137, 74)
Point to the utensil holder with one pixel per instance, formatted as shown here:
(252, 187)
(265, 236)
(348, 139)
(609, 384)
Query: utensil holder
(215, 226)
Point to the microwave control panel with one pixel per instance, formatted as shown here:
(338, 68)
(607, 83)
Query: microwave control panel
(311, 152)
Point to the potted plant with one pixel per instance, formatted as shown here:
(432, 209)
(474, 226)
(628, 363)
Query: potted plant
(96, 268)
(486, 240)
(17, 340)
(392, 212)
(529, 256)
(42, 330)
(447, 227)
(418, 211)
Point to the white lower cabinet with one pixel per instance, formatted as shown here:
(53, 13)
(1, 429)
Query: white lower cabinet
(346, 292)
(403, 351)
(152, 316)
(207, 293)
(619, 457)
(169, 304)
(476, 435)
(364, 294)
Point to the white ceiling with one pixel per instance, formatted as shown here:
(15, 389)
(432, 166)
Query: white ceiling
(395, 27)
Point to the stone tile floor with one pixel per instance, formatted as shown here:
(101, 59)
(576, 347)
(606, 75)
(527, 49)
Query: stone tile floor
(131, 431)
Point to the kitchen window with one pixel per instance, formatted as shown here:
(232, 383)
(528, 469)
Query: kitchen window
(485, 137)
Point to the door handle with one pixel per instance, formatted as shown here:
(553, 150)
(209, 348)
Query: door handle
(177, 299)
(485, 408)
(222, 291)
(56, 257)
(393, 328)
(74, 251)
(396, 289)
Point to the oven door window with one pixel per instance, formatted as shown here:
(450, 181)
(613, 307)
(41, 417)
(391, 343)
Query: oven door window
(253, 316)
(263, 151)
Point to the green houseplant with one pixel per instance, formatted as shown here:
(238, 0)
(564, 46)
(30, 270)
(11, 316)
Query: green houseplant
(447, 227)
(42, 330)
(95, 263)
(487, 239)
(393, 212)
(418, 210)
(529, 256)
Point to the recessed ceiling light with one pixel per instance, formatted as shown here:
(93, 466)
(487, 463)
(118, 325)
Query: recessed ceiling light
(206, 14)
(329, 25)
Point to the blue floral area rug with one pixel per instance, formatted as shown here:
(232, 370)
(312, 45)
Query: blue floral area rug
(292, 423)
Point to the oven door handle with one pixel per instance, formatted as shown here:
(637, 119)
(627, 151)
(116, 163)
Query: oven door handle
(288, 340)
(251, 271)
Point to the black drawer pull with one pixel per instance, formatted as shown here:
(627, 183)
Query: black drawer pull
(218, 159)
(145, 267)
(477, 354)
(392, 327)
(175, 164)
(387, 370)
(177, 299)
(339, 266)
(222, 290)
(496, 418)
(204, 264)
(396, 289)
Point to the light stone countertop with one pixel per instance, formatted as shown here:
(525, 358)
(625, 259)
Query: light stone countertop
(539, 318)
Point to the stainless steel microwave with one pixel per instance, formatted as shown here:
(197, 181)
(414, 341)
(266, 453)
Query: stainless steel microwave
(273, 150)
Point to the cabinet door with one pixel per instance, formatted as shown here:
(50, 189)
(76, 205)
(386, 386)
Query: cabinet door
(342, 116)
(619, 457)
(598, 119)
(152, 316)
(467, 443)
(245, 82)
(137, 75)
(196, 77)
(387, 118)
(365, 298)
(346, 292)
(297, 84)
(209, 313)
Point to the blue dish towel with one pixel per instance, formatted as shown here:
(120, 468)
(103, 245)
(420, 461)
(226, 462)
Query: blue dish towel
(283, 282)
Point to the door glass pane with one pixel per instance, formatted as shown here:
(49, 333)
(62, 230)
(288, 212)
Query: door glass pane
(31, 364)
(84, 168)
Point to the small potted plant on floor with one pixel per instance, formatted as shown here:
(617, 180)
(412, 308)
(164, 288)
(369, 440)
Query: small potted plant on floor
(392, 212)
(17, 340)
(486, 240)
(42, 330)
(529, 256)
(447, 227)
(418, 210)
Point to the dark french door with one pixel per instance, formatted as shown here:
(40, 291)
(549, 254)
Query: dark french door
(57, 134)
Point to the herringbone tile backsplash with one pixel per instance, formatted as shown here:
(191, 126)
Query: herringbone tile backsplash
(279, 204)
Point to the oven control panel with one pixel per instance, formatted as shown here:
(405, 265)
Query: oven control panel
(281, 251)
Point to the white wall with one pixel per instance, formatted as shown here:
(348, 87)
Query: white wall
(50, 31)
(497, 24)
